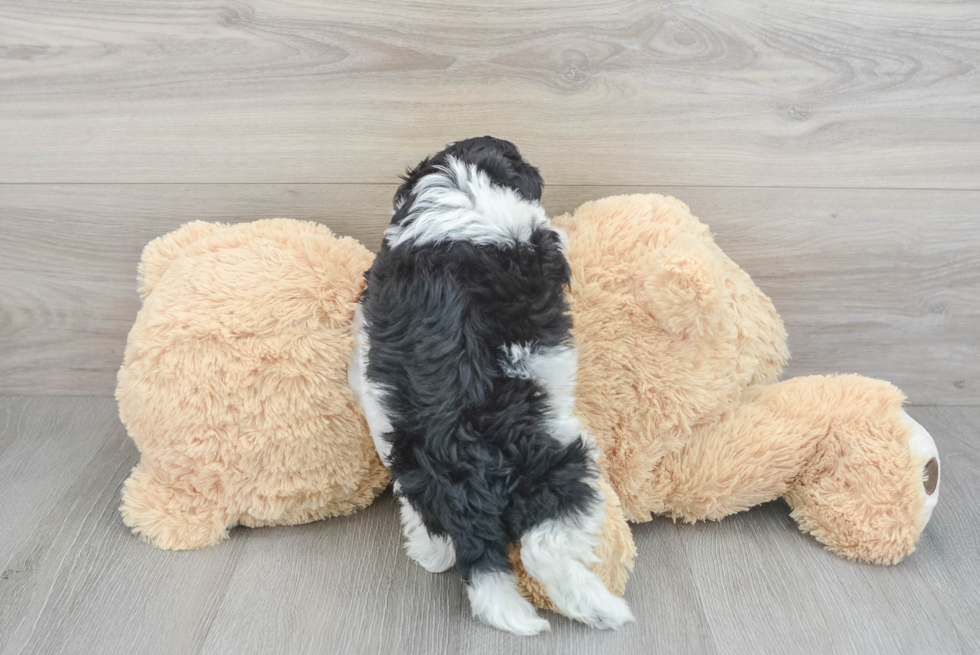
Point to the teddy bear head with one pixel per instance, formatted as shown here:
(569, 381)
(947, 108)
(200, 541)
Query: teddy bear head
(670, 332)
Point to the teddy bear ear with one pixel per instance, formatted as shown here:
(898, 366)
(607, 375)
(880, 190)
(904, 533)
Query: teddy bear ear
(160, 253)
(682, 287)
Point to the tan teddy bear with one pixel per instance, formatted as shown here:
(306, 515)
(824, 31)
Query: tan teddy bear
(234, 383)
(234, 388)
(679, 353)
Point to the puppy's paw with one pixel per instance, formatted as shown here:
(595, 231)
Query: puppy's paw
(434, 554)
(587, 600)
(611, 614)
(497, 602)
(517, 622)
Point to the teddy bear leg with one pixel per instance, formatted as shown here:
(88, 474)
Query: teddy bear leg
(168, 516)
(872, 487)
(923, 449)
(859, 474)
(748, 457)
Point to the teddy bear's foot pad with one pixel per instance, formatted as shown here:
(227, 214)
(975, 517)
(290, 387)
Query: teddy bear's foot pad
(923, 448)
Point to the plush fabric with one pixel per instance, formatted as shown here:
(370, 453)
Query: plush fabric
(669, 332)
(234, 388)
(234, 383)
(679, 352)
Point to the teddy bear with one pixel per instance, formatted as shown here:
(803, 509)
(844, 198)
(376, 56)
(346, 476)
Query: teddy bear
(234, 388)
(234, 383)
(679, 357)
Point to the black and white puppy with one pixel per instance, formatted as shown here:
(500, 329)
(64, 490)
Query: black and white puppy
(465, 367)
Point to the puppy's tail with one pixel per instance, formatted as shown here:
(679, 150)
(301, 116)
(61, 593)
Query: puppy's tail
(557, 553)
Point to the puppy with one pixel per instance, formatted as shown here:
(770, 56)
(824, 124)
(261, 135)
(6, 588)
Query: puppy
(465, 367)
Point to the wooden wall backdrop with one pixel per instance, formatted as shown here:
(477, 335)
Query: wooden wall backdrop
(833, 147)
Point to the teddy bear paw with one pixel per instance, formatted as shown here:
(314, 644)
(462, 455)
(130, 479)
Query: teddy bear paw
(923, 449)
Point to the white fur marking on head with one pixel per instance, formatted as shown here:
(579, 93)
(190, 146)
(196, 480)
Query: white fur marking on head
(496, 600)
(557, 553)
(460, 203)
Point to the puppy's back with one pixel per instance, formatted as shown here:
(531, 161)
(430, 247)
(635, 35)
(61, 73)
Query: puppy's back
(465, 336)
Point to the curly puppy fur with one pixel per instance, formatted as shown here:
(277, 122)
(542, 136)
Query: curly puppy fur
(466, 369)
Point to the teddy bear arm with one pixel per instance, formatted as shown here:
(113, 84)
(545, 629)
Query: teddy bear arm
(172, 515)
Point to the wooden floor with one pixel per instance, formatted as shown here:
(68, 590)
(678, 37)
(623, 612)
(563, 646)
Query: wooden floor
(833, 147)
(74, 580)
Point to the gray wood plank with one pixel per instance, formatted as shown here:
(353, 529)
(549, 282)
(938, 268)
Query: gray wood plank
(78, 581)
(800, 92)
(42, 452)
(340, 586)
(346, 585)
(880, 282)
(663, 596)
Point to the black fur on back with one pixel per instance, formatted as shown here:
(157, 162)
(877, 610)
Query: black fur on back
(470, 446)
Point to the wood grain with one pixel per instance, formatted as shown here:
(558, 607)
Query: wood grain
(793, 93)
(41, 455)
(74, 580)
(880, 282)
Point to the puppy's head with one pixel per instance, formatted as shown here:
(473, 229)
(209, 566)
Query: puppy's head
(499, 159)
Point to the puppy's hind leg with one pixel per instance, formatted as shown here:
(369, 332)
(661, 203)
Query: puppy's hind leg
(490, 582)
(557, 552)
(497, 602)
(434, 553)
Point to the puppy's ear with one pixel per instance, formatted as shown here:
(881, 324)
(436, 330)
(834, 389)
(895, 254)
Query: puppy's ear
(527, 180)
(521, 176)
(409, 180)
(553, 251)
